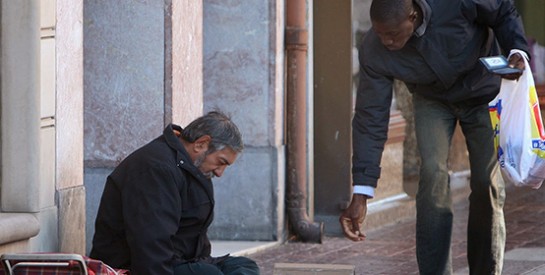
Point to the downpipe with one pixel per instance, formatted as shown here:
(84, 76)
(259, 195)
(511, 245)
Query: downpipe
(304, 229)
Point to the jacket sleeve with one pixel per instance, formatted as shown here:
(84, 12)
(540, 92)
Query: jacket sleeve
(370, 124)
(152, 210)
(502, 17)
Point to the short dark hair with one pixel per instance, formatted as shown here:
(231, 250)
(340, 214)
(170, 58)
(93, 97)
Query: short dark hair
(223, 132)
(386, 11)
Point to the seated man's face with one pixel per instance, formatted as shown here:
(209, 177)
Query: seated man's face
(214, 164)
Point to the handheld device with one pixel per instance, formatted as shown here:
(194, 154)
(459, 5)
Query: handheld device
(498, 65)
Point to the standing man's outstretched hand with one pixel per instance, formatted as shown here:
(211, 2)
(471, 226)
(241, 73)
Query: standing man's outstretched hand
(516, 60)
(352, 218)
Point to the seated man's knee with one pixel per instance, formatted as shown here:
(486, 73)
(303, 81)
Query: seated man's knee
(243, 264)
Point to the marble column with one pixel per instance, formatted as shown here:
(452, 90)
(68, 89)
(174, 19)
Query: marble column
(142, 70)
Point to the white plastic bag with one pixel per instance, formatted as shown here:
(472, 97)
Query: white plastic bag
(519, 135)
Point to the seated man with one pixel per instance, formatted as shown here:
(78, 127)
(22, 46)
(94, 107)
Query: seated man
(158, 203)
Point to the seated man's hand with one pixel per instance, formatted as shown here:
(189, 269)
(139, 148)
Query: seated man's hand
(516, 60)
(352, 218)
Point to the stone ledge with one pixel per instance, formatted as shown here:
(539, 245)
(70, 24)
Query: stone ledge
(17, 226)
(313, 269)
(401, 207)
(388, 211)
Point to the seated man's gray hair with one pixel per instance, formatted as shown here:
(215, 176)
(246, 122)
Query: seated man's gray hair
(219, 127)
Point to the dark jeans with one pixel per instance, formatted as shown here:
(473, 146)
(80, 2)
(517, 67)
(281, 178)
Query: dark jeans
(229, 266)
(434, 124)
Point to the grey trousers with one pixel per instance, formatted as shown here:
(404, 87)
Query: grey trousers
(434, 124)
(229, 266)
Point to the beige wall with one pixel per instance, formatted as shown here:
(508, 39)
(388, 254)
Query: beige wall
(42, 127)
(69, 117)
(187, 61)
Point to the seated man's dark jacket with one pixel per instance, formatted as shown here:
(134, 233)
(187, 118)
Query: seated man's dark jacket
(439, 62)
(155, 210)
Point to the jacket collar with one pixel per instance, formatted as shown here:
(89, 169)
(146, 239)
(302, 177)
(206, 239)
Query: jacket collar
(175, 143)
(426, 14)
(183, 160)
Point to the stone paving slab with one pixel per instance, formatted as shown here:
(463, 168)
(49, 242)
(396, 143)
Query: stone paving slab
(536, 254)
(238, 248)
(312, 269)
(537, 271)
(391, 249)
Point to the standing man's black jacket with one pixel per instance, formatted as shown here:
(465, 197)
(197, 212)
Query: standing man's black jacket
(439, 62)
(155, 210)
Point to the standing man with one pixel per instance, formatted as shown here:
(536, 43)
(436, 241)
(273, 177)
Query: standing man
(434, 47)
(158, 203)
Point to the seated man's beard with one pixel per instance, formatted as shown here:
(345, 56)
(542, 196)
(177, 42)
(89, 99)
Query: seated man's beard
(198, 162)
(209, 175)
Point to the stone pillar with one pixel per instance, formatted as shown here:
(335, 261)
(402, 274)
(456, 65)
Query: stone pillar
(243, 76)
(20, 118)
(390, 182)
(333, 105)
(187, 61)
(69, 125)
(143, 69)
(23, 193)
(411, 157)
(42, 144)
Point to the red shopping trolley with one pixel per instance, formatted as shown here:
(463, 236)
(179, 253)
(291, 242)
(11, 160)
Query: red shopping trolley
(54, 264)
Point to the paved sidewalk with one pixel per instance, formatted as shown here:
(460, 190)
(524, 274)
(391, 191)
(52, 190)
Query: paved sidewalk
(391, 249)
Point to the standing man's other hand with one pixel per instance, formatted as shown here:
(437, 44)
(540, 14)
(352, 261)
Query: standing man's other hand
(516, 60)
(352, 218)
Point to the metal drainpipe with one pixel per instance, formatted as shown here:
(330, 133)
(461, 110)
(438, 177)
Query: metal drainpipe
(296, 189)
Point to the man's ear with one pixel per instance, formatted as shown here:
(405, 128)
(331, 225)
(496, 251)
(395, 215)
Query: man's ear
(201, 144)
(413, 16)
